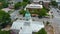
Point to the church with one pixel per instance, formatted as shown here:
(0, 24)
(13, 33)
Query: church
(26, 26)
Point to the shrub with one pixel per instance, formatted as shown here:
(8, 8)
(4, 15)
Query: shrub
(4, 32)
(42, 31)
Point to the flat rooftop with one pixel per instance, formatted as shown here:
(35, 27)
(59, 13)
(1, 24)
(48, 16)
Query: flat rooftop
(34, 6)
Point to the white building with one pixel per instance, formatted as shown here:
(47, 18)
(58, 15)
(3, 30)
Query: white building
(33, 6)
(37, 6)
(26, 26)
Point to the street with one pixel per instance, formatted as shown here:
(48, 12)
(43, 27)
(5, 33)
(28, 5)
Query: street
(56, 21)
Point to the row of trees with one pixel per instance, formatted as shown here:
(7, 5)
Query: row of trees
(4, 4)
(42, 12)
(19, 5)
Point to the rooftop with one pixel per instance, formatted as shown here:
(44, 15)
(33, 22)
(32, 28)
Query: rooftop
(34, 6)
(6, 9)
(35, 26)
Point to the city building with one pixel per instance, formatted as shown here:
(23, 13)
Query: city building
(34, 6)
(26, 26)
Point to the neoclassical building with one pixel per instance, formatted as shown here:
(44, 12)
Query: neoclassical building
(26, 26)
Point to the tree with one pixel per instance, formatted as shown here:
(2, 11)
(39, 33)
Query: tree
(4, 32)
(17, 5)
(4, 18)
(54, 3)
(22, 12)
(42, 31)
(25, 0)
(3, 4)
(47, 9)
(23, 4)
(42, 12)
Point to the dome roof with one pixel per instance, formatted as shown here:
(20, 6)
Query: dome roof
(27, 15)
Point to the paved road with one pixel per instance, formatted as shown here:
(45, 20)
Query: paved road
(56, 20)
(56, 16)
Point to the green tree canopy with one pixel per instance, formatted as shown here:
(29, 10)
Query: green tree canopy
(23, 4)
(3, 4)
(4, 32)
(20, 4)
(2, 0)
(42, 31)
(25, 0)
(17, 5)
(4, 18)
(54, 3)
(42, 12)
(22, 12)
